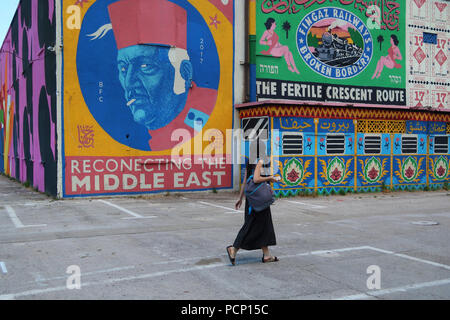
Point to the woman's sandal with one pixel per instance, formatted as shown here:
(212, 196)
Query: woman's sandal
(269, 259)
(232, 260)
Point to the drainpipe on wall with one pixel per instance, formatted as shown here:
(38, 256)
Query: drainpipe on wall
(252, 49)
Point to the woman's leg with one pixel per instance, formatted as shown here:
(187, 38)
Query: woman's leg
(233, 252)
(287, 58)
(384, 62)
(283, 51)
(267, 257)
(379, 68)
(291, 59)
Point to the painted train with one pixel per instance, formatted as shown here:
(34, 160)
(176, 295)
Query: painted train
(337, 52)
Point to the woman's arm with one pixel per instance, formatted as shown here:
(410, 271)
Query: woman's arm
(264, 40)
(399, 54)
(241, 194)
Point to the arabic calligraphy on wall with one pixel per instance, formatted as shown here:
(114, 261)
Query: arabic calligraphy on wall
(296, 124)
(336, 126)
(437, 128)
(413, 127)
(388, 11)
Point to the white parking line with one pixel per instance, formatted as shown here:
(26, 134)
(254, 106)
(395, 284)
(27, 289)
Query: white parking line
(110, 281)
(150, 275)
(3, 267)
(16, 221)
(365, 295)
(314, 206)
(440, 265)
(134, 214)
(229, 210)
(321, 252)
(377, 293)
(84, 274)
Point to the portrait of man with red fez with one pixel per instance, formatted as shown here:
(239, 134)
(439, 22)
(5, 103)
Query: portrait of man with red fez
(155, 69)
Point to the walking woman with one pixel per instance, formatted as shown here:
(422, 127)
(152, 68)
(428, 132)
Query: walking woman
(257, 231)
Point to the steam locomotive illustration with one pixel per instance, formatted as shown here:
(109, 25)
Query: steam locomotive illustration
(337, 52)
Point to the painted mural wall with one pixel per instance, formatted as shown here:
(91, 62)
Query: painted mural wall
(334, 149)
(28, 97)
(351, 52)
(335, 55)
(428, 54)
(148, 95)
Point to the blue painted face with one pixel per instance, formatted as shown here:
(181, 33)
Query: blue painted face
(147, 77)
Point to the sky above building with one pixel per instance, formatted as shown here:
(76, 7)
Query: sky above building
(7, 11)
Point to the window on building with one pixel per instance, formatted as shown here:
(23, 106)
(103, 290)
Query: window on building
(256, 132)
(292, 143)
(409, 144)
(255, 127)
(335, 144)
(441, 144)
(372, 144)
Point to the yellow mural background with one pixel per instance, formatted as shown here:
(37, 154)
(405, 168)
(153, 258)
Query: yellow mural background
(76, 112)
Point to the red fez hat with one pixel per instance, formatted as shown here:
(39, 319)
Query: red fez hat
(148, 22)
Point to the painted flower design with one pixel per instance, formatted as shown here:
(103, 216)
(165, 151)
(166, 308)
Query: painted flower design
(372, 170)
(292, 176)
(373, 173)
(293, 172)
(409, 172)
(440, 171)
(336, 174)
(336, 171)
(409, 169)
(441, 168)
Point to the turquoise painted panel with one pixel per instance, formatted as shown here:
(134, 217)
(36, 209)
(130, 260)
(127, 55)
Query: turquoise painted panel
(397, 144)
(385, 143)
(360, 144)
(309, 144)
(422, 144)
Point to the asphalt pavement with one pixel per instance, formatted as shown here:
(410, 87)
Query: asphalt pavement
(358, 246)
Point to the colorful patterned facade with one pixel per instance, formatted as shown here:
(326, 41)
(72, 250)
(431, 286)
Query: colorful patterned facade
(353, 150)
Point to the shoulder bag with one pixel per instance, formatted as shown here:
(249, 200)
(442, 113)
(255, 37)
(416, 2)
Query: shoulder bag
(259, 195)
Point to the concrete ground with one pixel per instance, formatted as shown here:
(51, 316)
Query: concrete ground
(363, 246)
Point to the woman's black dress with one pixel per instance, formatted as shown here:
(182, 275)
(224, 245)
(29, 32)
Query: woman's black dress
(257, 231)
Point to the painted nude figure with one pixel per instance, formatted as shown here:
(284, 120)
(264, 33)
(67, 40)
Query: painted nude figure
(389, 60)
(276, 49)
